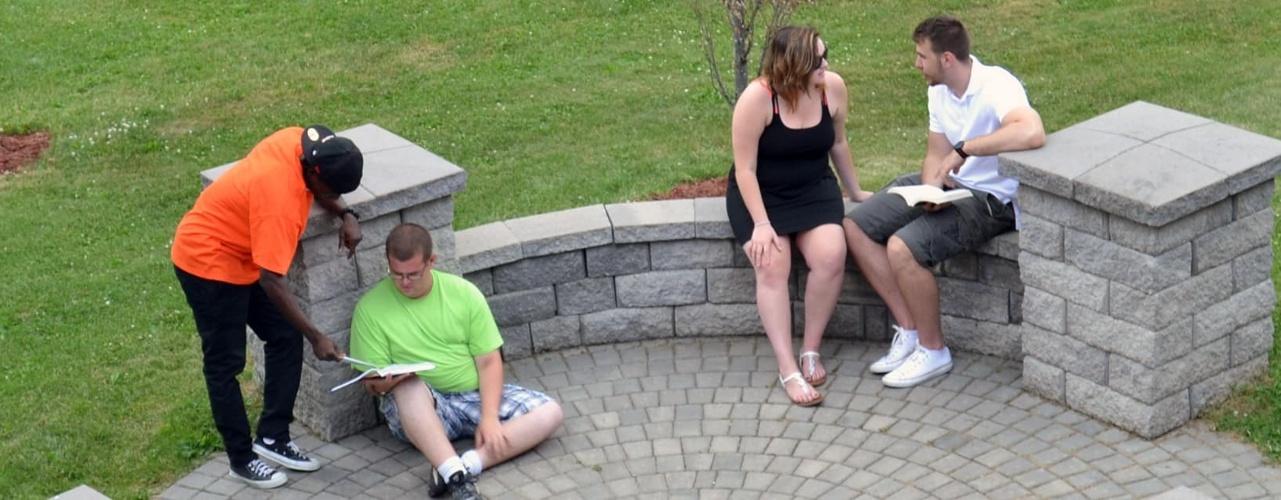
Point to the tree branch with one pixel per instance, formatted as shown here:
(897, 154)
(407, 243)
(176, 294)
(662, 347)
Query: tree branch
(709, 46)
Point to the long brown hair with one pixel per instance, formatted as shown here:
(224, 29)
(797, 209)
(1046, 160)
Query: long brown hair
(790, 58)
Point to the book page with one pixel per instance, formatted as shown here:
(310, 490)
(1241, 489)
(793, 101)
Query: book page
(396, 369)
(924, 193)
(357, 378)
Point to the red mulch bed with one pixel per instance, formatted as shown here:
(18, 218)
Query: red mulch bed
(19, 150)
(700, 189)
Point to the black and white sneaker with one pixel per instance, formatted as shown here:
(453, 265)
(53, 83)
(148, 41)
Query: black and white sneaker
(436, 485)
(463, 486)
(285, 453)
(259, 475)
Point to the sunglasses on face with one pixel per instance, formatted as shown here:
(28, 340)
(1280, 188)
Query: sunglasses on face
(821, 57)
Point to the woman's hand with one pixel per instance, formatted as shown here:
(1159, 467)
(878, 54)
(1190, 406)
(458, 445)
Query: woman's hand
(861, 195)
(760, 248)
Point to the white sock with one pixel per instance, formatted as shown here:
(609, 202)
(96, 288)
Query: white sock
(472, 460)
(452, 464)
(913, 336)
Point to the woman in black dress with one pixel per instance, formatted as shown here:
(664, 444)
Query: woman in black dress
(787, 125)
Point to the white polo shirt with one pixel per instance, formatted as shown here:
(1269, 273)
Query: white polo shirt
(993, 92)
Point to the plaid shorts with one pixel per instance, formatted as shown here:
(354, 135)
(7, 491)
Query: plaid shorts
(460, 411)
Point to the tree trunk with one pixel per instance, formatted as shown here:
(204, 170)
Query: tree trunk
(742, 30)
(742, 22)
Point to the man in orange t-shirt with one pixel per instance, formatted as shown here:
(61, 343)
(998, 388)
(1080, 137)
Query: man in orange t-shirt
(231, 252)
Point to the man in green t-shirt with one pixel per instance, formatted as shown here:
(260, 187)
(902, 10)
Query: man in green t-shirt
(419, 314)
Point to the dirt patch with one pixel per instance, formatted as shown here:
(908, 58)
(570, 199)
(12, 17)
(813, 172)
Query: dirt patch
(20, 150)
(708, 188)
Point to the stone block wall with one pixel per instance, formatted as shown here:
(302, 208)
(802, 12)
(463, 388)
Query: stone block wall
(1146, 256)
(633, 271)
(1138, 290)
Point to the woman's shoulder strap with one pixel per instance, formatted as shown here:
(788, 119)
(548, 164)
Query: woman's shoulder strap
(773, 96)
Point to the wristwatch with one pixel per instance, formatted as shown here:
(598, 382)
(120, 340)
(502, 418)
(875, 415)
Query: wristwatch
(348, 210)
(959, 147)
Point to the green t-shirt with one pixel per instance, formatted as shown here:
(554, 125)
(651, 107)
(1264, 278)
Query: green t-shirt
(449, 327)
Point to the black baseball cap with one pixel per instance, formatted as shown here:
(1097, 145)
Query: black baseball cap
(336, 159)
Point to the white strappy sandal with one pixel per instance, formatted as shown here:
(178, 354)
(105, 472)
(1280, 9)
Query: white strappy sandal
(796, 377)
(814, 356)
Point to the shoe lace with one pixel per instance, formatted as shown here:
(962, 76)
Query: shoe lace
(901, 345)
(260, 468)
(918, 357)
(898, 337)
(293, 448)
(467, 483)
(461, 478)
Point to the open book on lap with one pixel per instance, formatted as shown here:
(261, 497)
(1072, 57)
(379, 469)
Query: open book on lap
(925, 193)
(374, 371)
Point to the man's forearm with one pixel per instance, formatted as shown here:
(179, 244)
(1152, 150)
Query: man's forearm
(489, 368)
(933, 172)
(1022, 130)
(335, 207)
(278, 292)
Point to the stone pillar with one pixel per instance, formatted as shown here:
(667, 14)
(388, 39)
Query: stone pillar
(1145, 253)
(402, 183)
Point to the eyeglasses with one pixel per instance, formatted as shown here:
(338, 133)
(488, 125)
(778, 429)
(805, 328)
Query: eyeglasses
(410, 277)
(821, 57)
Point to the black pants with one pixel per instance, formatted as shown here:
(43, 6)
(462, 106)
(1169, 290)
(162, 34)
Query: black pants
(221, 311)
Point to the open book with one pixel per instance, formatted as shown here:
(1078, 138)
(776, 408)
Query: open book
(925, 193)
(375, 371)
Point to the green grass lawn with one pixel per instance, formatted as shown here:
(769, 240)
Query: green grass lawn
(102, 383)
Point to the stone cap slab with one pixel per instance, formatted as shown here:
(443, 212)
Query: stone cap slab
(591, 226)
(504, 242)
(653, 220)
(486, 246)
(563, 231)
(82, 492)
(398, 173)
(1147, 163)
(711, 219)
(372, 138)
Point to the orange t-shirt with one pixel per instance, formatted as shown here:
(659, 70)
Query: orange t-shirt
(250, 218)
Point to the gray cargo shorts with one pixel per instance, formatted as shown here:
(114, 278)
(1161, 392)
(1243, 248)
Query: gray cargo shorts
(936, 236)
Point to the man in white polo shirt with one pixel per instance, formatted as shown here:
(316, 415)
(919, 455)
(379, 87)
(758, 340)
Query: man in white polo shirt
(976, 112)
